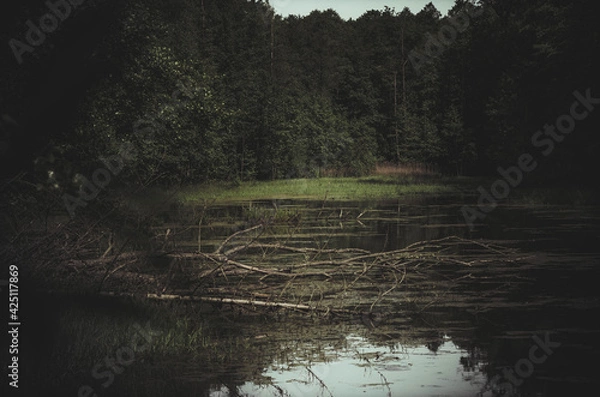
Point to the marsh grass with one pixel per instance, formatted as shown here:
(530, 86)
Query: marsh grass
(88, 330)
(363, 188)
(176, 330)
(412, 169)
(256, 213)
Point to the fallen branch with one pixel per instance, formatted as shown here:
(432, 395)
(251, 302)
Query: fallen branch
(323, 280)
(234, 235)
(232, 301)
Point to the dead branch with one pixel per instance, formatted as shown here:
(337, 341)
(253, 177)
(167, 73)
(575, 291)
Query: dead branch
(306, 250)
(234, 235)
(249, 302)
(347, 281)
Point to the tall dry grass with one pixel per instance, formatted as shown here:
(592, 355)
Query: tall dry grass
(416, 169)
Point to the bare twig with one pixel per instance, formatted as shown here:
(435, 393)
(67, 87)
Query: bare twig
(234, 235)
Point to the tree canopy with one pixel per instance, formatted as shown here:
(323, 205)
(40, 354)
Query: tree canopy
(228, 90)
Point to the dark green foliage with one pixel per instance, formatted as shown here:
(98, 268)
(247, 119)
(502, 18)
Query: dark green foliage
(228, 90)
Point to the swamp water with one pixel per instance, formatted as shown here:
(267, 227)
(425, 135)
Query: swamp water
(526, 330)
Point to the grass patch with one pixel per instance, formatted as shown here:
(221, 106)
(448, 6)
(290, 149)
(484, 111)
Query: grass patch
(187, 348)
(366, 188)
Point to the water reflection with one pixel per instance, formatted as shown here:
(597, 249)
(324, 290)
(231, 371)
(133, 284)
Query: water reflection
(556, 293)
(461, 345)
(389, 225)
(364, 369)
(449, 350)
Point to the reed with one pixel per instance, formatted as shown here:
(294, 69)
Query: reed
(408, 169)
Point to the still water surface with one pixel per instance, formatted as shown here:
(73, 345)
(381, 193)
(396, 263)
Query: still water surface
(469, 346)
(476, 341)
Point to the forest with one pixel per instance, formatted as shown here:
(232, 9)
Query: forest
(299, 205)
(192, 91)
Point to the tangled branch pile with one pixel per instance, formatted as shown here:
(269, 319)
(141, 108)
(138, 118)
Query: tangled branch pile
(248, 269)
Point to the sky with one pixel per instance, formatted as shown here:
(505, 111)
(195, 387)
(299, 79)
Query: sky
(353, 8)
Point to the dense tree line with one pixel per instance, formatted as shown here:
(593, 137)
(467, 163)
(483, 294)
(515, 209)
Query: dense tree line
(197, 90)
